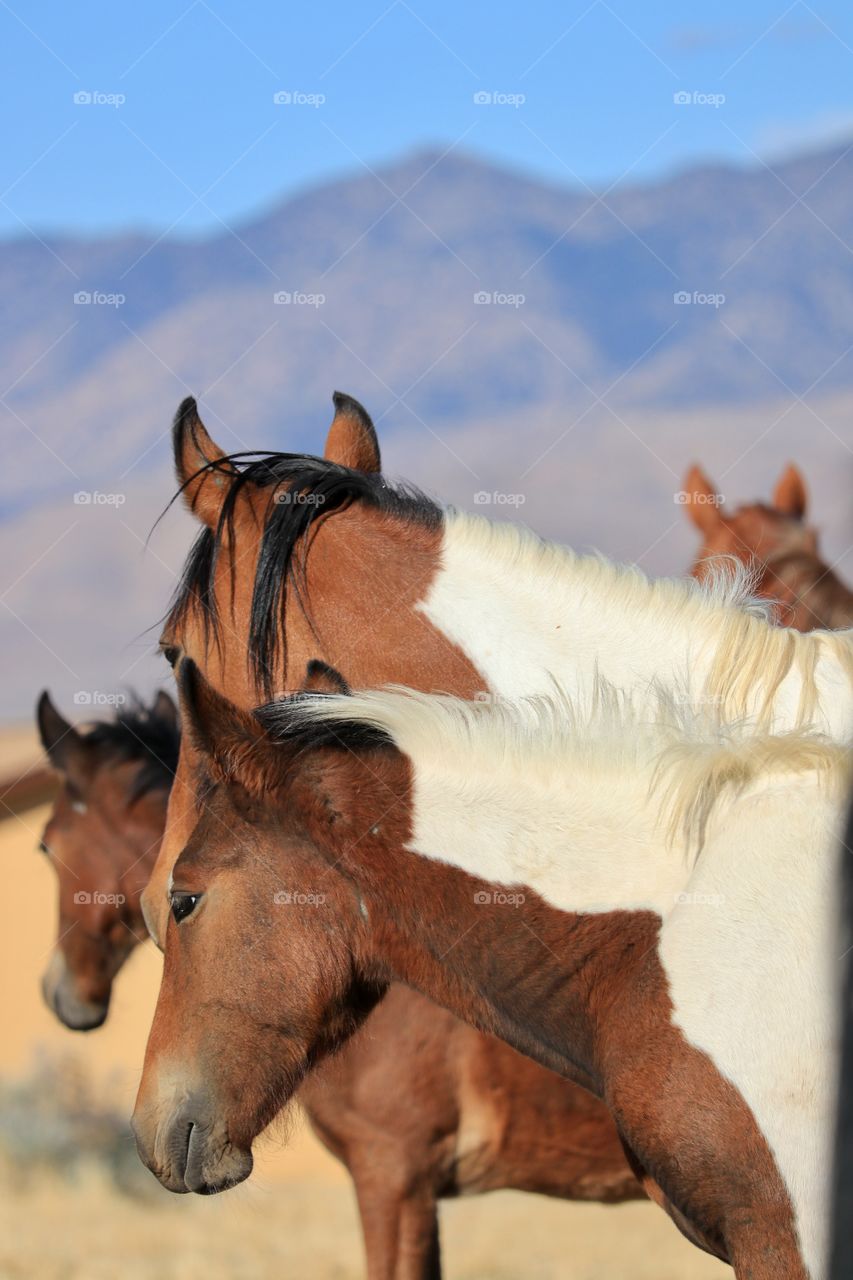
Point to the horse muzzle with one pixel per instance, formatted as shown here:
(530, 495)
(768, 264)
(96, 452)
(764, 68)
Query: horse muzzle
(187, 1150)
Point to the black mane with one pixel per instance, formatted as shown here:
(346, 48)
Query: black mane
(302, 491)
(139, 733)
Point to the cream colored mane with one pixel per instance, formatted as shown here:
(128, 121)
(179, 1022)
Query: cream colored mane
(749, 657)
(683, 759)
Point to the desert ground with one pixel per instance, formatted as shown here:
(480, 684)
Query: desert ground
(63, 1219)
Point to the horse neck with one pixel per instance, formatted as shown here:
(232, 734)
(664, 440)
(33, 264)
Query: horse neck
(813, 595)
(483, 863)
(527, 613)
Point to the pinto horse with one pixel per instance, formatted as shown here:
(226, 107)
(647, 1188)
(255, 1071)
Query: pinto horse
(102, 839)
(777, 545)
(301, 557)
(643, 907)
(445, 1112)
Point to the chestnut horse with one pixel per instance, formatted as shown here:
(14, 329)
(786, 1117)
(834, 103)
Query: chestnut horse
(448, 1112)
(777, 545)
(645, 908)
(102, 839)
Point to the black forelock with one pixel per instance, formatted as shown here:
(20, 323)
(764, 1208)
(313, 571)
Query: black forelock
(139, 733)
(303, 490)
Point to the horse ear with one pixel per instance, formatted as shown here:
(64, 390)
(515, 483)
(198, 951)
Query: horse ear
(202, 467)
(163, 708)
(789, 496)
(701, 499)
(321, 678)
(214, 724)
(352, 438)
(61, 741)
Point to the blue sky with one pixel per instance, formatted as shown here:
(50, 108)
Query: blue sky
(184, 131)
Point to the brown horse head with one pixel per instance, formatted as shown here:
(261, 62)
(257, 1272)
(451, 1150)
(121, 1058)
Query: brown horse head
(777, 544)
(226, 1052)
(102, 838)
(286, 568)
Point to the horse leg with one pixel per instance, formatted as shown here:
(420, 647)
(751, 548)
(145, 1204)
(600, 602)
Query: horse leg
(419, 1254)
(400, 1230)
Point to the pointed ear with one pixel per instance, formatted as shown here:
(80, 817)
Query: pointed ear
(163, 708)
(65, 747)
(232, 740)
(789, 496)
(202, 470)
(352, 438)
(321, 678)
(701, 500)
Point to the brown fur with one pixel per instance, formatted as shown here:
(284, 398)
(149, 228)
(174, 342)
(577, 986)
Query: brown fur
(584, 995)
(778, 545)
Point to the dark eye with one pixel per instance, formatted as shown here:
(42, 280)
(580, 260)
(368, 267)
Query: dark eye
(184, 904)
(43, 847)
(171, 653)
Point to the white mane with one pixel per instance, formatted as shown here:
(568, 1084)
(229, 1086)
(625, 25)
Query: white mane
(682, 760)
(563, 610)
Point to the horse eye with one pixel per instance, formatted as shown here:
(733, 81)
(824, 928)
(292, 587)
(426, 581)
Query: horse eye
(171, 653)
(184, 904)
(43, 847)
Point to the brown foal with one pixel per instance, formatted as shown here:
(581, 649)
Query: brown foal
(417, 1105)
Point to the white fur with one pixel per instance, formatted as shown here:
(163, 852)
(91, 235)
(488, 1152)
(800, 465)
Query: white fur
(732, 840)
(526, 612)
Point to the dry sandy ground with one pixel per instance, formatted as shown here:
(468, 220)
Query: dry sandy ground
(296, 1217)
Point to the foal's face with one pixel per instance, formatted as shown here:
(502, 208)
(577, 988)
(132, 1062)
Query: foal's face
(102, 849)
(261, 979)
